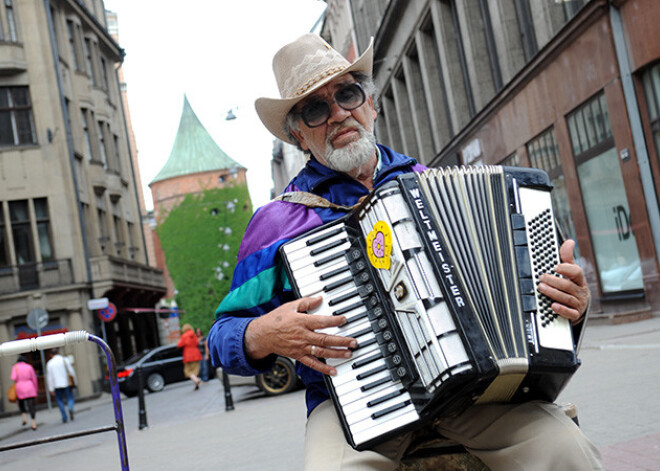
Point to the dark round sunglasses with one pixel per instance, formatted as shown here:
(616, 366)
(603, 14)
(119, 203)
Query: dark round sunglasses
(317, 112)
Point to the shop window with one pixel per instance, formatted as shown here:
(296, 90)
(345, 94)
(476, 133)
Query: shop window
(511, 161)
(604, 198)
(543, 153)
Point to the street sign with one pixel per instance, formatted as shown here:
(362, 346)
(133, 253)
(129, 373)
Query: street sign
(107, 314)
(37, 318)
(98, 303)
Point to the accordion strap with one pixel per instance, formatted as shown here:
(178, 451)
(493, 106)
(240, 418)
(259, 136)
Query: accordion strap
(313, 201)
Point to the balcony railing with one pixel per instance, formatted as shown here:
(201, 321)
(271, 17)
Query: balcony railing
(35, 275)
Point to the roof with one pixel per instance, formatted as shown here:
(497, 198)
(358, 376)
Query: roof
(194, 150)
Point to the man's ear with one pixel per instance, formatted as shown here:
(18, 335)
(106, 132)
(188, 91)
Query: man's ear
(374, 113)
(300, 138)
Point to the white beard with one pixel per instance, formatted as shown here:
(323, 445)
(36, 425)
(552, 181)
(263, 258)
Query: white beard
(353, 155)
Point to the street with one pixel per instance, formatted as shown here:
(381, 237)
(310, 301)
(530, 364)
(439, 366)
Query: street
(615, 391)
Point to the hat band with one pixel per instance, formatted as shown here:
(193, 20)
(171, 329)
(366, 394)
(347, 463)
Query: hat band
(310, 83)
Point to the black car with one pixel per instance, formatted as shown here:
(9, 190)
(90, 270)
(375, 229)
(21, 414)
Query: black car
(164, 365)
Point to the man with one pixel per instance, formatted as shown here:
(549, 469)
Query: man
(328, 111)
(61, 379)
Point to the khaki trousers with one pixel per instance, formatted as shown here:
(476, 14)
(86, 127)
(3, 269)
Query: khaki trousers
(534, 436)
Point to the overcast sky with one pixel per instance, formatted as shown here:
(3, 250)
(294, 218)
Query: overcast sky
(217, 52)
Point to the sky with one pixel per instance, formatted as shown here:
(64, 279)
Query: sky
(219, 54)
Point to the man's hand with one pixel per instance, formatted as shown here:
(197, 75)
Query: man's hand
(571, 292)
(290, 332)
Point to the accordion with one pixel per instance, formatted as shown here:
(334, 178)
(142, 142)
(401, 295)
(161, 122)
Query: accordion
(436, 274)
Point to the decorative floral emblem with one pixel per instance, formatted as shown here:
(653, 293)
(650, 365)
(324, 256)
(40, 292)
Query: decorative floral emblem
(379, 245)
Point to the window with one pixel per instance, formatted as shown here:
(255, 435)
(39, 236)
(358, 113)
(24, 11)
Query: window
(103, 231)
(88, 60)
(604, 197)
(4, 250)
(86, 137)
(11, 20)
(512, 161)
(43, 229)
(102, 147)
(19, 216)
(651, 81)
(16, 121)
(117, 159)
(73, 47)
(118, 233)
(104, 73)
(544, 154)
(526, 25)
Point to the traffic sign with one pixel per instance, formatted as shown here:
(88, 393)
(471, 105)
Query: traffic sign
(98, 303)
(37, 318)
(107, 314)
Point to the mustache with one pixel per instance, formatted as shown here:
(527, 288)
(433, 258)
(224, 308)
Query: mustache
(347, 123)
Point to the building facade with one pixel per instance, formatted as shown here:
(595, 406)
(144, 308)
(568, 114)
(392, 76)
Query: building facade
(70, 227)
(572, 87)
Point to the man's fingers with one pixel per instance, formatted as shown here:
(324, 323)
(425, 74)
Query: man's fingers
(566, 251)
(317, 365)
(309, 303)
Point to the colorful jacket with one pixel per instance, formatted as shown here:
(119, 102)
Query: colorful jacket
(190, 345)
(260, 283)
(26, 380)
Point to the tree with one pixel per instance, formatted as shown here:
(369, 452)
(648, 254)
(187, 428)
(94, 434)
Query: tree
(200, 239)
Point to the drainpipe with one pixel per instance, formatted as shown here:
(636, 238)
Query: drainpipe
(639, 141)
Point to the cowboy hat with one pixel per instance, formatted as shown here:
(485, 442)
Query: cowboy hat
(301, 68)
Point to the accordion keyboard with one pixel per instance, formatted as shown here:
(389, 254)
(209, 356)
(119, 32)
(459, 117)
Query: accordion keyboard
(368, 386)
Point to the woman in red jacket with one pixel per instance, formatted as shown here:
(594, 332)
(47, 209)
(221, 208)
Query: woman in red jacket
(191, 354)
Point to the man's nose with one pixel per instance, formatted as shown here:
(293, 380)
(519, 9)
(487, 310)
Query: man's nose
(337, 113)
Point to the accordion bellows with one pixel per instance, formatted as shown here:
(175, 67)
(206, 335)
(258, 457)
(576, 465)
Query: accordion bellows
(436, 274)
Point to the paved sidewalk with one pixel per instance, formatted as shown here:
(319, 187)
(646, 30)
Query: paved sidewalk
(615, 390)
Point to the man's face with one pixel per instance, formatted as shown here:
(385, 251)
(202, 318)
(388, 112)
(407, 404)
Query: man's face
(345, 141)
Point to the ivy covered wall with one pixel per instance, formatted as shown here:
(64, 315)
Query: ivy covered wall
(200, 239)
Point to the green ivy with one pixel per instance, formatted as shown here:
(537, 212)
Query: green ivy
(197, 247)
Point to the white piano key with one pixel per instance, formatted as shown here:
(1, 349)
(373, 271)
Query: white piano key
(304, 256)
(346, 372)
(345, 390)
(368, 350)
(365, 413)
(375, 428)
(361, 404)
(292, 247)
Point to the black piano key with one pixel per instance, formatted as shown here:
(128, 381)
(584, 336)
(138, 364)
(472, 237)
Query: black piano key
(325, 248)
(357, 317)
(375, 384)
(386, 397)
(395, 407)
(366, 343)
(332, 273)
(341, 299)
(365, 361)
(362, 332)
(322, 237)
(347, 309)
(329, 258)
(337, 284)
(371, 372)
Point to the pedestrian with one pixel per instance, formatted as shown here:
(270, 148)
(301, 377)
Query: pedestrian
(204, 367)
(61, 381)
(327, 109)
(191, 354)
(23, 374)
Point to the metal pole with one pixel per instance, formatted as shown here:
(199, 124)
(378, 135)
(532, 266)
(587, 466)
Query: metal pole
(43, 368)
(142, 409)
(229, 401)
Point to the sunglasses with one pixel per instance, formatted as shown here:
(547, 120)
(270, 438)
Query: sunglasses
(317, 112)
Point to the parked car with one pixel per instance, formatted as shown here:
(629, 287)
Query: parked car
(164, 365)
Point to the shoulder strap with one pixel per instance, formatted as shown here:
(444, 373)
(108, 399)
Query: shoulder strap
(313, 201)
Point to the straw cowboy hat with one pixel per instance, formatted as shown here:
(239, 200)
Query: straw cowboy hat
(301, 68)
